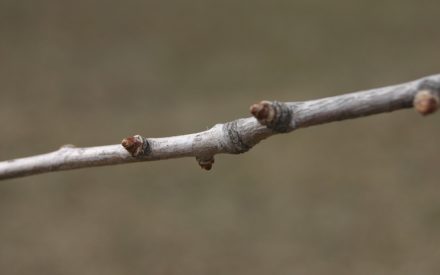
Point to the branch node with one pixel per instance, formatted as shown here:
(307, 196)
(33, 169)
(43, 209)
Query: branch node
(136, 145)
(426, 101)
(275, 115)
(67, 146)
(205, 162)
(236, 145)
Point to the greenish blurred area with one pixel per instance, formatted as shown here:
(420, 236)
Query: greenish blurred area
(354, 197)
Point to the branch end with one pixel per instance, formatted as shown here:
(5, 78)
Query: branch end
(426, 102)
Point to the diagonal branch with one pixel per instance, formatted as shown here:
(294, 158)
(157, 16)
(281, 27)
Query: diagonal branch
(237, 136)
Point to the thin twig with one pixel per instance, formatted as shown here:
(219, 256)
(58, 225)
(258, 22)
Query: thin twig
(237, 136)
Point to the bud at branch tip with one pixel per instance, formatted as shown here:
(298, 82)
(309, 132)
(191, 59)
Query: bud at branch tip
(426, 102)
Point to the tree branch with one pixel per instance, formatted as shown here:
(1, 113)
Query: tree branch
(237, 136)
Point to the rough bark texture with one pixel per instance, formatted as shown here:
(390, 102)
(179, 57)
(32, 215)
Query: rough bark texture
(237, 136)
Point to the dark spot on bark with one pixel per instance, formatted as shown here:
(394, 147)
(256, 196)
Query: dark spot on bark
(238, 145)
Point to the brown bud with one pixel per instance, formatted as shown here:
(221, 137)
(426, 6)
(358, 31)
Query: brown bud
(205, 163)
(134, 145)
(426, 102)
(263, 112)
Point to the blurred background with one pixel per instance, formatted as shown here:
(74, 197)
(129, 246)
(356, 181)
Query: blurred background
(354, 197)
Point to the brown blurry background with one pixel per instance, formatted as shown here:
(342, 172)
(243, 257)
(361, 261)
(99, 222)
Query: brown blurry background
(355, 197)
